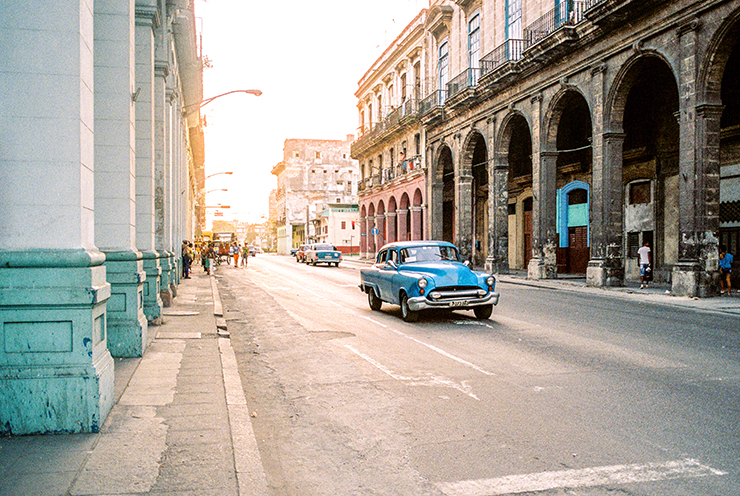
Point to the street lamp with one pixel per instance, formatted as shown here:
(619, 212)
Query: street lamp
(202, 103)
(217, 173)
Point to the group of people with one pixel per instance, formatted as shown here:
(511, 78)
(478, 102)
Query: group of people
(725, 268)
(207, 254)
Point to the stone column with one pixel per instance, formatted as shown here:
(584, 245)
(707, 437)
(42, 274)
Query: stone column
(146, 22)
(416, 223)
(498, 207)
(543, 264)
(698, 177)
(371, 247)
(380, 237)
(115, 176)
(435, 193)
(162, 172)
(363, 237)
(464, 215)
(402, 217)
(56, 373)
(606, 267)
(391, 220)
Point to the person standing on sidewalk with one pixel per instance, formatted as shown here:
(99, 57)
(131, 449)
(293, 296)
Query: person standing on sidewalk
(645, 258)
(187, 257)
(245, 254)
(725, 270)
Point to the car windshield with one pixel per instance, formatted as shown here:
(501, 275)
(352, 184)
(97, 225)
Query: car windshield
(323, 247)
(429, 253)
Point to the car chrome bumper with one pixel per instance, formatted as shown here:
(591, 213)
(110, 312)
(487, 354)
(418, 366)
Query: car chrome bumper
(422, 303)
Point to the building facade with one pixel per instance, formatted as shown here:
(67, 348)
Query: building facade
(312, 175)
(562, 135)
(101, 163)
(339, 226)
(391, 146)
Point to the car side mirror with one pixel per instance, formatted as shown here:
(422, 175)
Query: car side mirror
(466, 263)
(393, 264)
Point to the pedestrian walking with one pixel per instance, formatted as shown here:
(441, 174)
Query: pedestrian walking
(725, 270)
(235, 250)
(207, 255)
(645, 256)
(187, 257)
(245, 254)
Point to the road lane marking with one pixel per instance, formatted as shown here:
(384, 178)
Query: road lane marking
(577, 478)
(375, 321)
(444, 353)
(432, 380)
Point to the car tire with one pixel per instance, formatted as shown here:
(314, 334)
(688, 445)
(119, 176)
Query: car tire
(372, 300)
(406, 313)
(483, 312)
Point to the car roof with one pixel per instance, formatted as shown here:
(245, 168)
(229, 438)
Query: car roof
(407, 244)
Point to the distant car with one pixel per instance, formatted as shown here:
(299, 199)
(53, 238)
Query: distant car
(252, 251)
(323, 253)
(293, 251)
(421, 275)
(300, 255)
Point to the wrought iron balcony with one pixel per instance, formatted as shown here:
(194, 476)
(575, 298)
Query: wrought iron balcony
(509, 51)
(467, 79)
(434, 100)
(565, 14)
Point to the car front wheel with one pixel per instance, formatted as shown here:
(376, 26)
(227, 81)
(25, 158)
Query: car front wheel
(406, 313)
(372, 300)
(484, 312)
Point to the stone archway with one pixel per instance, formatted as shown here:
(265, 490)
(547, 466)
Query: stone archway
(645, 108)
(718, 118)
(514, 161)
(570, 136)
(474, 168)
(444, 181)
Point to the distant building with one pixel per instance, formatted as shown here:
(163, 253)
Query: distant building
(312, 175)
(390, 148)
(339, 226)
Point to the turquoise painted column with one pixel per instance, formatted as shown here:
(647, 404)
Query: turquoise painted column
(56, 374)
(147, 20)
(115, 175)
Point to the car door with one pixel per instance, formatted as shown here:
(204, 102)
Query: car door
(388, 273)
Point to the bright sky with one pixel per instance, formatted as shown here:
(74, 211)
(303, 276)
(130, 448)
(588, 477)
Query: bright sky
(306, 56)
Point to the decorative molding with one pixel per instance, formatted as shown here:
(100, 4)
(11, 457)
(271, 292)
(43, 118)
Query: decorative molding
(693, 25)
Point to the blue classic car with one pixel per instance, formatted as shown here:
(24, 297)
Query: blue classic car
(419, 275)
(323, 253)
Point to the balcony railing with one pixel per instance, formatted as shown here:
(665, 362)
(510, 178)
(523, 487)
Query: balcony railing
(510, 51)
(410, 108)
(567, 13)
(434, 100)
(468, 79)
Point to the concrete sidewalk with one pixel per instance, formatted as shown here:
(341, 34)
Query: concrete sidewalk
(180, 424)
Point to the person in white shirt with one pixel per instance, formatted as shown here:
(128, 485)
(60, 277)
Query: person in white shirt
(645, 257)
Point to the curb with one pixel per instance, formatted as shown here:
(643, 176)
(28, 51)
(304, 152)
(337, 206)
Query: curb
(250, 474)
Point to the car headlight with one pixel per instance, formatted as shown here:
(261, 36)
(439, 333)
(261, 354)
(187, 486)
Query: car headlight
(490, 281)
(422, 282)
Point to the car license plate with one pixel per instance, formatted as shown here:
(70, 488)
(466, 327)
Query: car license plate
(458, 303)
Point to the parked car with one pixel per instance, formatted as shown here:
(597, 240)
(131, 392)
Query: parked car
(293, 251)
(323, 253)
(421, 275)
(300, 255)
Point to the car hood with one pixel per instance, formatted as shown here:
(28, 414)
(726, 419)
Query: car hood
(443, 273)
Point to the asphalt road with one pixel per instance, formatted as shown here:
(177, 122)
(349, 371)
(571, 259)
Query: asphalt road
(558, 393)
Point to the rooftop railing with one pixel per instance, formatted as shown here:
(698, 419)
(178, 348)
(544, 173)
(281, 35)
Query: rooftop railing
(509, 51)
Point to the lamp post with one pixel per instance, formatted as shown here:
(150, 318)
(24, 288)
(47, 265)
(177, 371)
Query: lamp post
(202, 103)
